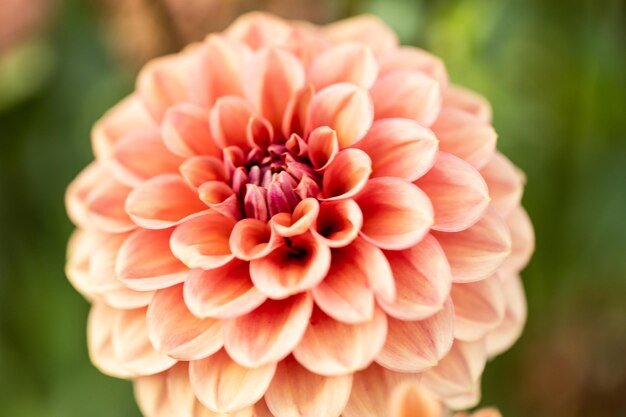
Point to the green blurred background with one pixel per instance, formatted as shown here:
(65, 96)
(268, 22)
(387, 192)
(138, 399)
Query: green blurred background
(555, 72)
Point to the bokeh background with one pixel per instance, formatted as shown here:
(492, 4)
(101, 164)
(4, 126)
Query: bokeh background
(554, 70)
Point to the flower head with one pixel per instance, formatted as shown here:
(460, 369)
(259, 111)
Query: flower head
(284, 216)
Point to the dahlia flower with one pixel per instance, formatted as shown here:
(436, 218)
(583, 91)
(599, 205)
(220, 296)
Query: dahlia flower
(289, 220)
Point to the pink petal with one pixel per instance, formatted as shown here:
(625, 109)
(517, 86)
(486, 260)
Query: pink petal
(366, 29)
(186, 132)
(259, 132)
(221, 198)
(478, 308)
(466, 136)
(131, 344)
(162, 83)
(410, 399)
(253, 239)
(296, 392)
(414, 346)
(100, 342)
(223, 293)
(399, 148)
(269, 333)
(124, 298)
(477, 252)
(407, 94)
(469, 101)
(505, 184)
(506, 334)
(294, 119)
(145, 261)
(200, 169)
(259, 29)
(202, 242)
(79, 249)
(347, 62)
(224, 386)
(141, 155)
(522, 242)
(422, 279)
(152, 396)
(333, 348)
(174, 331)
(338, 222)
(346, 175)
(323, 147)
(261, 410)
(229, 121)
(105, 207)
(356, 271)
(163, 202)
(274, 75)
(458, 193)
(217, 69)
(396, 214)
(300, 221)
(346, 108)
(414, 59)
(291, 268)
(77, 192)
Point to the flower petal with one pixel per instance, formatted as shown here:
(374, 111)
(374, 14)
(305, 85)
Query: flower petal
(396, 214)
(104, 207)
(145, 261)
(414, 346)
(202, 242)
(333, 348)
(78, 191)
(469, 101)
(346, 294)
(253, 239)
(229, 121)
(457, 191)
(225, 292)
(414, 59)
(294, 119)
(505, 184)
(346, 108)
(323, 147)
(351, 62)
(152, 397)
(407, 94)
(186, 132)
(399, 148)
(200, 169)
(259, 29)
(477, 252)
(300, 221)
(411, 399)
(162, 83)
(338, 222)
(100, 341)
(174, 331)
(422, 278)
(163, 202)
(269, 333)
(366, 29)
(346, 175)
(522, 242)
(224, 386)
(506, 334)
(296, 392)
(221, 198)
(291, 268)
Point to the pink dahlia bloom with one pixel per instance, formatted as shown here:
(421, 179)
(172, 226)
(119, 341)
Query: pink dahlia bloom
(283, 217)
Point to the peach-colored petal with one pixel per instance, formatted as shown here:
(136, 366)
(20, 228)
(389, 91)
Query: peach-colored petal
(221, 198)
(163, 202)
(79, 249)
(469, 101)
(468, 399)
(399, 148)
(224, 386)
(145, 261)
(505, 184)
(457, 191)
(478, 308)
(294, 119)
(414, 346)
(124, 298)
(407, 94)
(269, 333)
(141, 155)
(202, 242)
(366, 29)
(344, 107)
(346, 175)
(200, 169)
(259, 29)
(186, 132)
(291, 268)
(259, 132)
(229, 121)
(261, 410)
(296, 392)
(356, 271)
(225, 292)
(415, 59)
(273, 76)
(105, 207)
(477, 252)
(410, 399)
(77, 192)
(396, 214)
(253, 239)
(300, 221)
(217, 70)
(338, 222)
(506, 334)
(163, 83)
(100, 342)
(132, 346)
(465, 136)
(333, 348)
(323, 147)
(152, 396)
(522, 242)
(422, 279)
(351, 62)
(174, 331)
